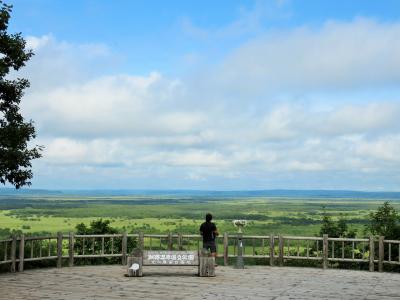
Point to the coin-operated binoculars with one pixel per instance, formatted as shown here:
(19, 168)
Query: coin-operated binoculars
(240, 224)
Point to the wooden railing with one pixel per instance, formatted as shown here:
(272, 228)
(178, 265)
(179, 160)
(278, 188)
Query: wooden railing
(274, 249)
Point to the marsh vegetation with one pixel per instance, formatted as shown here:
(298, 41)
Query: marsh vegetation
(161, 214)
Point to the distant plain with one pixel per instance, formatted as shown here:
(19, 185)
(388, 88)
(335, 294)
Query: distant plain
(288, 213)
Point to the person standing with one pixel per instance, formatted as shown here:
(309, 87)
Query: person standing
(209, 232)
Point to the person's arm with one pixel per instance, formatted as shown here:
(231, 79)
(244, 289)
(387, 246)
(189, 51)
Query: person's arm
(201, 230)
(215, 231)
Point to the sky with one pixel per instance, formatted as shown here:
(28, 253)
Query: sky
(215, 95)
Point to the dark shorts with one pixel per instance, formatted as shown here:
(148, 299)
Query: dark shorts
(210, 245)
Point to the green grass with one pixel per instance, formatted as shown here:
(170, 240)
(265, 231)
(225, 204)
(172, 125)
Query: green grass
(162, 214)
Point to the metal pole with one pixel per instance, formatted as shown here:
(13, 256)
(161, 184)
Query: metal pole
(239, 261)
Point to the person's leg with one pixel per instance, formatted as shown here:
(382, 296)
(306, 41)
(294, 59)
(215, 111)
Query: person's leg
(206, 247)
(213, 249)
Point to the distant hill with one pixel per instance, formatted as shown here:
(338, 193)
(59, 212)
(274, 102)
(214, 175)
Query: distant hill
(11, 191)
(332, 194)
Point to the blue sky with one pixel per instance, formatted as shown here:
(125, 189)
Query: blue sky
(151, 35)
(214, 94)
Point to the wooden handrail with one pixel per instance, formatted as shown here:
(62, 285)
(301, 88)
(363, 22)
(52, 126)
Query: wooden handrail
(275, 249)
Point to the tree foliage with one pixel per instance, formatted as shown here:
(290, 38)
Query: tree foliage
(95, 245)
(15, 132)
(96, 227)
(385, 222)
(333, 228)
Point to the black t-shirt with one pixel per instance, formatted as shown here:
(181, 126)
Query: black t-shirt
(207, 229)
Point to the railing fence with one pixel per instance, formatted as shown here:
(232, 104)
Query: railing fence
(275, 249)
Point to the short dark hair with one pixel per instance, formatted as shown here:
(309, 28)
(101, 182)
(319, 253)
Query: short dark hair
(208, 217)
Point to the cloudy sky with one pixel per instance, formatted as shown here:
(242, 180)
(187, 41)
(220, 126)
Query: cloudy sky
(219, 95)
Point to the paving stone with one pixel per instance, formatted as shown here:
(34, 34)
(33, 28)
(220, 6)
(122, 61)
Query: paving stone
(258, 282)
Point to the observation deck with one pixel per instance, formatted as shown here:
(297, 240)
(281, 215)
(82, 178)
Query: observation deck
(255, 282)
(274, 279)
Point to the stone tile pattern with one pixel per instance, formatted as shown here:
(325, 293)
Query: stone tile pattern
(258, 282)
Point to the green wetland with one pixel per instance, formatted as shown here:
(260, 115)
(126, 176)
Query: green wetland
(288, 213)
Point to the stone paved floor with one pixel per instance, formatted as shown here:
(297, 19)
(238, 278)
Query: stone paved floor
(259, 282)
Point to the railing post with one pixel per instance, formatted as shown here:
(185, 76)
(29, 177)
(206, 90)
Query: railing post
(325, 252)
(71, 249)
(180, 242)
(124, 247)
(141, 241)
(13, 253)
(271, 249)
(281, 250)
(226, 249)
(169, 241)
(21, 253)
(371, 253)
(59, 249)
(381, 254)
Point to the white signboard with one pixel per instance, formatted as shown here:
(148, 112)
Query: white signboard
(189, 258)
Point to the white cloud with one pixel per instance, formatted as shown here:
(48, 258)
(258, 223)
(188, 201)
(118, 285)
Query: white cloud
(191, 158)
(367, 118)
(101, 152)
(304, 166)
(362, 53)
(385, 148)
(279, 123)
(293, 121)
(114, 105)
(60, 63)
(34, 43)
(249, 21)
(229, 124)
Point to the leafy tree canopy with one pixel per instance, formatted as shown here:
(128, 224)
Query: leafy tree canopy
(96, 227)
(335, 228)
(385, 222)
(15, 132)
